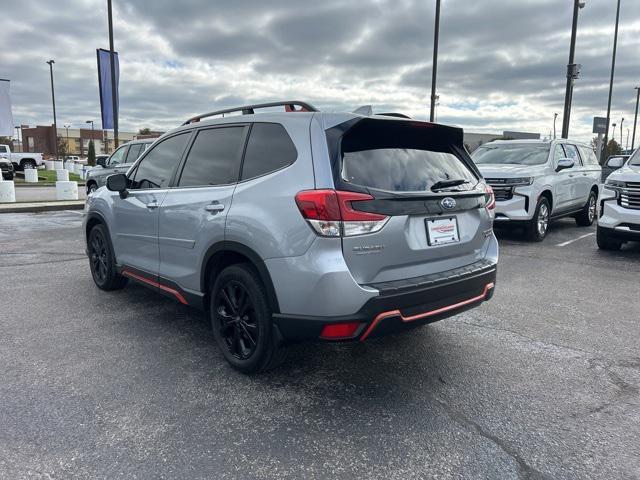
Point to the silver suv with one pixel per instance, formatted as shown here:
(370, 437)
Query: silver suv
(118, 162)
(619, 220)
(536, 181)
(300, 225)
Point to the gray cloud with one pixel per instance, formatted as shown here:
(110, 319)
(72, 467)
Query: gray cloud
(502, 63)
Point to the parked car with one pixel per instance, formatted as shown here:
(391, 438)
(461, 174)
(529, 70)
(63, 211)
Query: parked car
(21, 161)
(6, 167)
(613, 163)
(537, 181)
(118, 162)
(300, 226)
(76, 159)
(619, 220)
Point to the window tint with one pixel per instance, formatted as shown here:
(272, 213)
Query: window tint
(134, 152)
(155, 170)
(269, 148)
(512, 154)
(214, 158)
(572, 152)
(118, 156)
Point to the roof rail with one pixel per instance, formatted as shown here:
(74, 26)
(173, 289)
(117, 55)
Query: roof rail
(250, 109)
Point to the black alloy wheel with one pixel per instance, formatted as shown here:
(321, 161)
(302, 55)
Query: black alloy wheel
(237, 320)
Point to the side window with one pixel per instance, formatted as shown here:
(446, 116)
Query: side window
(214, 158)
(3, 149)
(156, 168)
(588, 156)
(134, 152)
(269, 148)
(558, 153)
(572, 152)
(118, 156)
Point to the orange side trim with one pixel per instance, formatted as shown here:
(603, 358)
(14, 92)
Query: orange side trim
(164, 288)
(396, 313)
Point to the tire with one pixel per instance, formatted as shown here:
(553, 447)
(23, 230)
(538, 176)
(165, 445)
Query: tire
(92, 187)
(605, 242)
(241, 320)
(537, 228)
(28, 164)
(588, 214)
(102, 261)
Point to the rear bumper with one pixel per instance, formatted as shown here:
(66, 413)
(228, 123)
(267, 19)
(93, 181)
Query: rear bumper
(399, 309)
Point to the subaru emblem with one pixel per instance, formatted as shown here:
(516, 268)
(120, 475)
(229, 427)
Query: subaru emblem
(448, 203)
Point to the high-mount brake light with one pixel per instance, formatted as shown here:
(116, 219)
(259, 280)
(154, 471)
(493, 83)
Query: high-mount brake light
(331, 214)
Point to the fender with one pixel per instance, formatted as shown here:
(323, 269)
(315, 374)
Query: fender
(254, 258)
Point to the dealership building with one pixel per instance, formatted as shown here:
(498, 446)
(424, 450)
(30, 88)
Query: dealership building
(41, 139)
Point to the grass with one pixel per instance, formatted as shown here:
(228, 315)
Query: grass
(49, 177)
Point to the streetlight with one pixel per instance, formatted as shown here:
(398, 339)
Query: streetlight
(114, 102)
(555, 115)
(635, 120)
(434, 71)
(17, 127)
(53, 100)
(627, 144)
(613, 69)
(573, 70)
(614, 132)
(621, 132)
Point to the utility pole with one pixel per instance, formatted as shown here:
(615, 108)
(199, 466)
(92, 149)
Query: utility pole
(621, 132)
(614, 131)
(613, 69)
(635, 120)
(434, 72)
(114, 101)
(66, 127)
(555, 115)
(53, 101)
(573, 70)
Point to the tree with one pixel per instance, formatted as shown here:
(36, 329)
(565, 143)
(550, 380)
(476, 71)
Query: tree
(613, 148)
(91, 155)
(62, 147)
(144, 131)
(6, 141)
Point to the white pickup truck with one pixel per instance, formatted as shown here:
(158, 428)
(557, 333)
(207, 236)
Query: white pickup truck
(21, 160)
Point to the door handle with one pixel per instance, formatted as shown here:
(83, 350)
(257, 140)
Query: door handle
(214, 207)
(152, 205)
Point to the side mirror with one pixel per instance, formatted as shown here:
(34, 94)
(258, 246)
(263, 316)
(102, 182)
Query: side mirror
(102, 162)
(565, 163)
(615, 162)
(118, 183)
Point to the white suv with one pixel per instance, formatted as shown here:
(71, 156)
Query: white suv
(536, 181)
(620, 206)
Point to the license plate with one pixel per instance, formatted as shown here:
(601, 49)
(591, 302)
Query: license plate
(442, 230)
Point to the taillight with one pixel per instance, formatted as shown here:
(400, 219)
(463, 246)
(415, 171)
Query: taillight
(331, 214)
(490, 198)
(338, 331)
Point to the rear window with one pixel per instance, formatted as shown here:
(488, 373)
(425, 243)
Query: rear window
(402, 157)
(511, 154)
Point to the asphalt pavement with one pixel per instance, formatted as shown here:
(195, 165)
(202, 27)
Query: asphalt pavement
(541, 382)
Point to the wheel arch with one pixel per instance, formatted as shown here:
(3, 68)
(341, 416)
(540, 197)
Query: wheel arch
(226, 253)
(548, 195)
(93, 219)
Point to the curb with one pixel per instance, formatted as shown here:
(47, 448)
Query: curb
(41, 184)
(32, 207)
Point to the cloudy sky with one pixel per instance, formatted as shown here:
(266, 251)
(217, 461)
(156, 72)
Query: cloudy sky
(502, 62)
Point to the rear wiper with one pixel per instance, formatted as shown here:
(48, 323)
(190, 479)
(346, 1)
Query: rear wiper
(439, 185)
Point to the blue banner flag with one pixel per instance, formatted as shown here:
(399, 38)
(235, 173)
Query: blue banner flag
(104, 84)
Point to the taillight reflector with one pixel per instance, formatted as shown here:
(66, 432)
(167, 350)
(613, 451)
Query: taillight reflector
(491, 200)
(337, 331)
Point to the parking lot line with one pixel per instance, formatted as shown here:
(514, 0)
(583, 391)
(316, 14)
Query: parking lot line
(568, 242)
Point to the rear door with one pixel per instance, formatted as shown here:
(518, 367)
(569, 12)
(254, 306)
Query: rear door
(193, 213)
(430, 229)
(581, 184)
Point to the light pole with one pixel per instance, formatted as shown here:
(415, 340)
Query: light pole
(635, 120)
(613, 69)
(555, 116)
(573, 70)
(621, 131)
(434, 70)
(627, 144)
(614, 132)
(18, 137)
(114, 102)
(53, 101)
